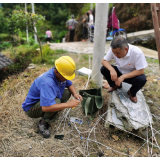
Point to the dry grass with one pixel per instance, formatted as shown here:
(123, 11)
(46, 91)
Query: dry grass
(19, 135)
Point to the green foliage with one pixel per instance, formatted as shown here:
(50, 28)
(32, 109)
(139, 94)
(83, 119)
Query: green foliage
(75, 8)
(110, 5)
(22, 56)
(3, 22)
(58, 35)
(87, 7)
(20, 18)
(4, 45)
(5, 37)
(59, 13)
(22, 35)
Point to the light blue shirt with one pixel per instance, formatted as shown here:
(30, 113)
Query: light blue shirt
(45, 89)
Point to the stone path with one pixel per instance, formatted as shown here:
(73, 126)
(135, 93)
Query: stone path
(87, 48)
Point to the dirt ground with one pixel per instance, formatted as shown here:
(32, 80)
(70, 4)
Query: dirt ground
(19, 135)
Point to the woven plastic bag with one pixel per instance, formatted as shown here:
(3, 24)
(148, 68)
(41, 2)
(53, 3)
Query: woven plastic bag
(92, 100)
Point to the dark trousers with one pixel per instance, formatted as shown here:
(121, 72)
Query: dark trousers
(137, 82)
(36, 110)
(85, 33)
(71, 35)
(48, 39)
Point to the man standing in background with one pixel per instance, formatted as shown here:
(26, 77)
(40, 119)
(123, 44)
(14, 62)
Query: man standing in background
(90, 18)
(71, 23)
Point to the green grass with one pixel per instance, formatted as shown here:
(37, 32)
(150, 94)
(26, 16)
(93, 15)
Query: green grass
(150, 60)
(49, 56)
(84, 57)
(5, 37)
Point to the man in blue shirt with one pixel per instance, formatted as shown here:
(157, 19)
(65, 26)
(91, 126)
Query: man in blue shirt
(48, 95)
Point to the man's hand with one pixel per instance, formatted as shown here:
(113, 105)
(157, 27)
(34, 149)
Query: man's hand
(119, 80)
(77, 96)
(113, 74)
(73, 103)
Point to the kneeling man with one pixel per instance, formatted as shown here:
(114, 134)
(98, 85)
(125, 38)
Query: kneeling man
(130, 65)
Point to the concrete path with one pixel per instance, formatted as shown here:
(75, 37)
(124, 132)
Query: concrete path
(141, 34)
(87, 48)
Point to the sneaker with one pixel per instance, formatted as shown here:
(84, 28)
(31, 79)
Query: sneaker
(43, 129)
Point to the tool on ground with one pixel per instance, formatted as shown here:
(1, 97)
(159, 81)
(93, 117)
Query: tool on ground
(59, 137)
(76, 120)
(79, 100)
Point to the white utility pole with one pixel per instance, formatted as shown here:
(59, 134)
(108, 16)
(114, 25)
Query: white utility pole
(26, 23)
(35, 37)
(101, 17)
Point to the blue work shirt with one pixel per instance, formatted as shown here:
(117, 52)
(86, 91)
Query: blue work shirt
(45, 89)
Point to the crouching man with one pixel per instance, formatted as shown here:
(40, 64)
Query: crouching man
(130, 65)
(48, 95)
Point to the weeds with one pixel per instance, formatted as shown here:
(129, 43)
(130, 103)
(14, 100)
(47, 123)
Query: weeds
(151, 60)
(49, 56)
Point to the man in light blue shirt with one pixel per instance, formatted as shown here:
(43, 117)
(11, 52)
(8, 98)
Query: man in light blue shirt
(47, 94)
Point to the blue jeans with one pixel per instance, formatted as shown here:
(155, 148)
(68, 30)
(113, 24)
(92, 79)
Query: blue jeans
(137, 82)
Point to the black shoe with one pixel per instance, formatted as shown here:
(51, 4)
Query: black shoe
(43, 129)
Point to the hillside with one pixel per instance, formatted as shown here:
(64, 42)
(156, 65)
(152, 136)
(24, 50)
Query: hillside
(134, 16)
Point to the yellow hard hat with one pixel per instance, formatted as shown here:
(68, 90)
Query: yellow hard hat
(66, 67)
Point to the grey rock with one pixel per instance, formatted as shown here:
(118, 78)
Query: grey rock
(125, 114)
(148, 42)
(145, 89)
(150, 102)
(4, 61)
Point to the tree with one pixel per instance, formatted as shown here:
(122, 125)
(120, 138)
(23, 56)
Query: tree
(3, 22)
(58, 13)
(20, 18)
(75, 8)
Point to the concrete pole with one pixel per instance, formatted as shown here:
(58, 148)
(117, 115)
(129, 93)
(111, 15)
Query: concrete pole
(26, 23)
(101, 17)
(35, 37)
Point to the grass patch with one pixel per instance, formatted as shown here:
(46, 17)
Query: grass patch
(49, 56)
(151, 60)
(5, 37)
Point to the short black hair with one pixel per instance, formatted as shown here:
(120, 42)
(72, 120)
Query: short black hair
(119, 42)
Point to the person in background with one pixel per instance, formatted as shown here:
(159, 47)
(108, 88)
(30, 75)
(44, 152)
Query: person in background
(85, 27)
(50, 92)
(48, 35)
(71, 23)
(90, 18)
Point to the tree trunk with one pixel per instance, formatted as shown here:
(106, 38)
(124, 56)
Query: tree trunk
(38, 41)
